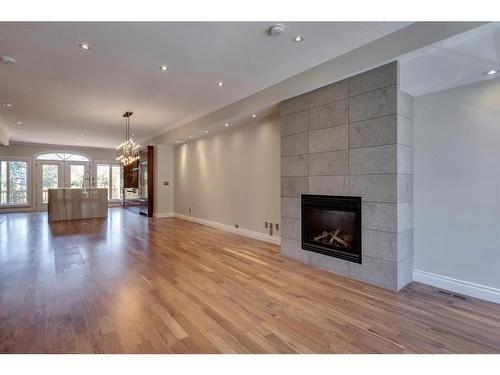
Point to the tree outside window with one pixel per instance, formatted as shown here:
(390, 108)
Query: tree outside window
(109, 176)
(13, 182)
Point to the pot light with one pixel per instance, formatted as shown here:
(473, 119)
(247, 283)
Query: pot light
(226, 124)
(206, 131)
(298, 38)
(84, 46)
(190, 137)
(7, 60)
(8, 105)
(254, 115)
(19, 123)
(220, 84)
(164, 68)
(491, 72)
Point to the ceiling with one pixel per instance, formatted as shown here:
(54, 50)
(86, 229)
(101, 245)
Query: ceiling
(453, 62)
(65, 95)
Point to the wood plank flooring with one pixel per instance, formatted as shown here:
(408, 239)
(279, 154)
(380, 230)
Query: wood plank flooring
(135, 285)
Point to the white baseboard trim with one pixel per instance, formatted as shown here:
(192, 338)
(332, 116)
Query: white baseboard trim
(458, 286)
(228, 228)
(160, 215)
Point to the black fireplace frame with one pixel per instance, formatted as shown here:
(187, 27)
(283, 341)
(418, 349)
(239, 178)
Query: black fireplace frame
(338, 203)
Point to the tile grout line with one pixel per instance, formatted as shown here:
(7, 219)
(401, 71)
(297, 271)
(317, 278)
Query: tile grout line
(373, 90)
(346, 98)
(299, 219)
(308, 146)
(348, 172)
(308, 94)
(349, 149)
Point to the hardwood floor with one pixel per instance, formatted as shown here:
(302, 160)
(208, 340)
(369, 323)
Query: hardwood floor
(133, 285)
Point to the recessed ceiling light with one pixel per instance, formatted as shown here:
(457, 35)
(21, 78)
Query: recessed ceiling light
(206, 131)
(226, 124)
(7, 60)
(177, 141)
(298, 38)
(254, 115)
(164, 68)
(8, 104)
(84, 46)
(190, 137)
(220, 84)
(491, 72)
(19, 123)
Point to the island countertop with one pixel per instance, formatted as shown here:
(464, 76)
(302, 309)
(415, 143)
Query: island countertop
(73, 204)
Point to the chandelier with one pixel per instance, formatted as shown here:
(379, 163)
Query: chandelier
(128, 151)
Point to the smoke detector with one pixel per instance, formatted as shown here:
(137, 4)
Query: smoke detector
(7, 60)
(276, 30)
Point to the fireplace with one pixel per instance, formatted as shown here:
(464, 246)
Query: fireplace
(331, 225)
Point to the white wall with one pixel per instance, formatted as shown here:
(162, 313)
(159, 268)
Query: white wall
(457, 186)
(232, 177)
(164, 173)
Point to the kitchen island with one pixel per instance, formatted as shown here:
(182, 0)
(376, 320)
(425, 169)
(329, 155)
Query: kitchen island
(74, 204)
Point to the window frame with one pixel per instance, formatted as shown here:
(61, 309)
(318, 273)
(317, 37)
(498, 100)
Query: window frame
(110, 164)
(29, 182)
(71, 153)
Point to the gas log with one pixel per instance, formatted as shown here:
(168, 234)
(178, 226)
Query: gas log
(331, 225)
(335, 238)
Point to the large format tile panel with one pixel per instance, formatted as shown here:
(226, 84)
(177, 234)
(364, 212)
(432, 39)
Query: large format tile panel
(354, 138)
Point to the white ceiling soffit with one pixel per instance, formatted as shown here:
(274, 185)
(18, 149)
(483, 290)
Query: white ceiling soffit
(383, 50)
(64, 94)
(453, 62)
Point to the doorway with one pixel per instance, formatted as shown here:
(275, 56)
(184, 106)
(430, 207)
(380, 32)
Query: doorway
(62, 173)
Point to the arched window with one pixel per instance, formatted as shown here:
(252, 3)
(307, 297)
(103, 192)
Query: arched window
(62, 156)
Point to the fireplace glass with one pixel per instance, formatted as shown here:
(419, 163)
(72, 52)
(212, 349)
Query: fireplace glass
(331, 225)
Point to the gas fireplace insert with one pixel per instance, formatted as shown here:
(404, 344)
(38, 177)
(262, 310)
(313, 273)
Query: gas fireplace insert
(331, 225)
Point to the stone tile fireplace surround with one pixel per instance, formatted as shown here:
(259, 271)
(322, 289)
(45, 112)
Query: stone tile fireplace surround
(353, 138)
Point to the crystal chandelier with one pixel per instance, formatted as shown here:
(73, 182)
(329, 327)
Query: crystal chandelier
(128, 151)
